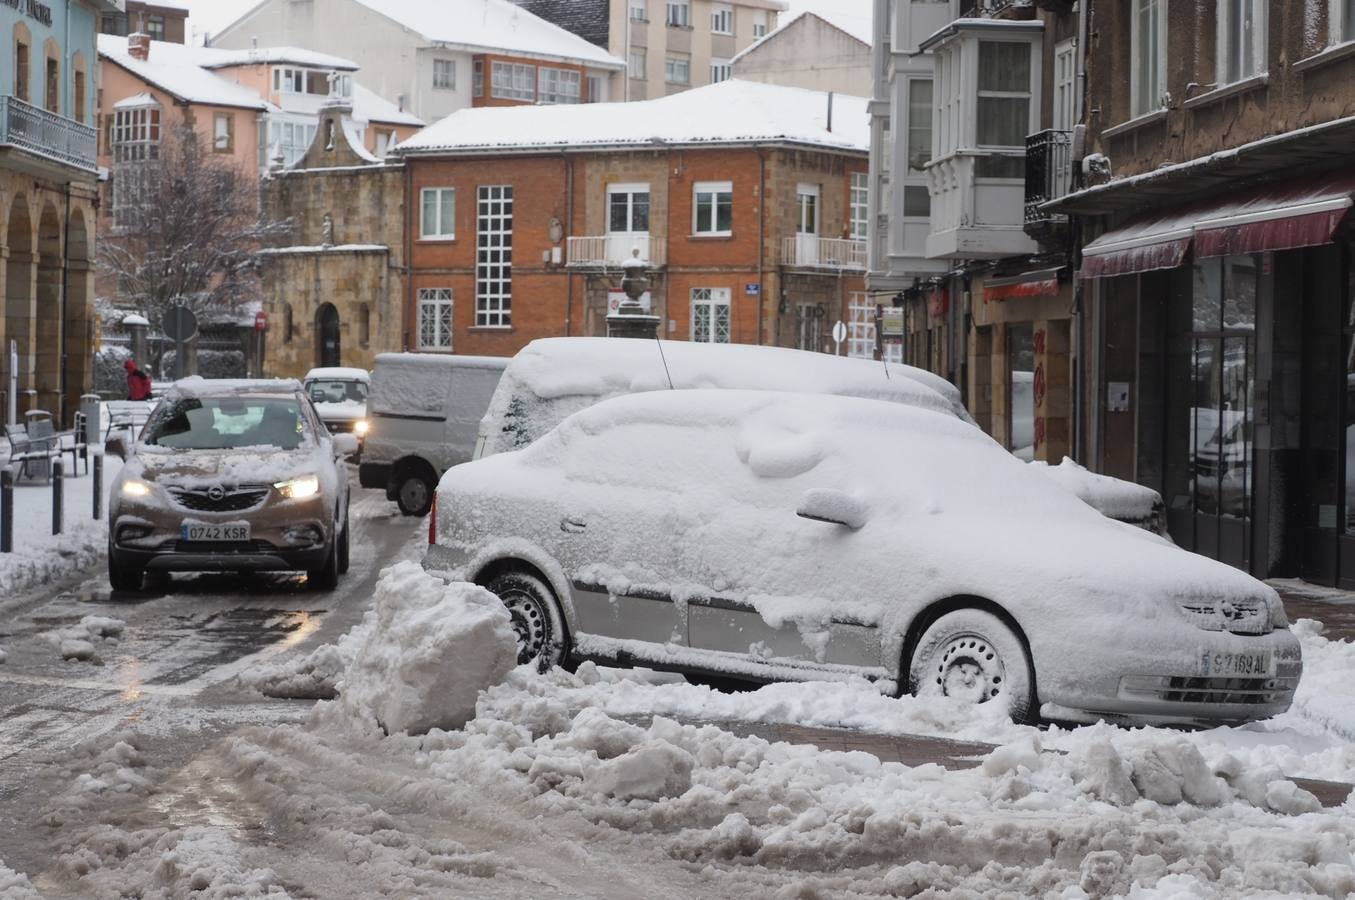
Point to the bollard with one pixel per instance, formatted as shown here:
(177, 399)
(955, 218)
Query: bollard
(7, 510)
(58, 479)
(98, 486)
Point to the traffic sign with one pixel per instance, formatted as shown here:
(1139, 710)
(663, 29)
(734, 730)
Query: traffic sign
(179, 323)
(260, 321)
(839, 335)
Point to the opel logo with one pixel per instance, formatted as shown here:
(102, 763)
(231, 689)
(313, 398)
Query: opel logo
(216, 493)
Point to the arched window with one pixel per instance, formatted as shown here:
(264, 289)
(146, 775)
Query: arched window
(287, 323)
(51, 92)
(23, 43)
(79, 87)
(364, 325)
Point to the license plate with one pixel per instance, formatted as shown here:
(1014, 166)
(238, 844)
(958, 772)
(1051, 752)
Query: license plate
(223, 533)
(1226, 665)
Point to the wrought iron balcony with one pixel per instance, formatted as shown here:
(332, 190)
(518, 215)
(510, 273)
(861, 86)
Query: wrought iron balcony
(809, 251)
(1049, 176)
(38, 131)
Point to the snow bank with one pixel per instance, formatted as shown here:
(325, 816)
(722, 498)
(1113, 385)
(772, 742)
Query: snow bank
(15, 885)
(434, 648)
(79, 641)
(1324, 695)
(311, 677)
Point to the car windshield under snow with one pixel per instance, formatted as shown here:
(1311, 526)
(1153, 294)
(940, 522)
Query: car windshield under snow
(228, 422)
(332, 390)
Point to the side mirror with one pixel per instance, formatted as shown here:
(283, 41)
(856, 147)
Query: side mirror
(833, 506)
(116, 445)
(345, 444)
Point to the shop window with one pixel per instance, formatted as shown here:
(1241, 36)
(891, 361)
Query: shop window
(1349, 336)
(1021, 390)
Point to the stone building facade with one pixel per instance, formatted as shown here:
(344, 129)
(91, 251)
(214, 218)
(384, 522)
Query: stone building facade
(333, 298)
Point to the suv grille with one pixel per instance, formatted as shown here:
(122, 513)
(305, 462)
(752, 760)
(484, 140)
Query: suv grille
(233, 500)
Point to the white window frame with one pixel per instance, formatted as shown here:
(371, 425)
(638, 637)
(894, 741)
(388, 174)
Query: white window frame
(1341, 17)
(443, 205)
(1145, 50)
(679, 14)
(706, 306)
(707, 197)
(630, 191)
(494, 263)
(721, 18)
(677, 63)
(558, 86)
(512, 81)
(639, 10)
(721, 69)
(293, 136)
(1228, 31)
(596, 88)
(759, 23)
(637, 63)
(444, 74)
(287, 80)
(136, 145)
(436, 323)
(478, 78)
(916, 128)
(860, 206)
(1029, 94)
(1065, 84)
(223, 132)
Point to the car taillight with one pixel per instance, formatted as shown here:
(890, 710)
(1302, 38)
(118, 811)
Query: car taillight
(433, 521)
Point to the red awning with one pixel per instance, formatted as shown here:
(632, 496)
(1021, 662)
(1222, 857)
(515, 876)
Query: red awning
(1043, 283)
(1302, 212)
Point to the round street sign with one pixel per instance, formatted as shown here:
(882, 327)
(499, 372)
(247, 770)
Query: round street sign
(180, 324)
(260, 321)
(839, 332)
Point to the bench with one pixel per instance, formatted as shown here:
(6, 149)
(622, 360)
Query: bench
(129, 415)
(33, 453)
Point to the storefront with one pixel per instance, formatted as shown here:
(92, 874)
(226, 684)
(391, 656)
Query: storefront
(1223, 363)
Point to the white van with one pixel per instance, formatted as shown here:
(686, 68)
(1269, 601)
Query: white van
(424, 412)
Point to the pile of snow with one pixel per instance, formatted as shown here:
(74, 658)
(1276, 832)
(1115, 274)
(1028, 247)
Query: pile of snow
(78, 642)
(15, 885)
(1113, 497)
(434, 648)
(311, 677)
(1323, 695)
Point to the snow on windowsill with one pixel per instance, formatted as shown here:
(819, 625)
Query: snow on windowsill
(1334, 53)
(1157, 115)
(1228, 90)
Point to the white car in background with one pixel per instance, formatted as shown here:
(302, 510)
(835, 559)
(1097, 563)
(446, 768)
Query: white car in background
(779, 536)
(340, 397)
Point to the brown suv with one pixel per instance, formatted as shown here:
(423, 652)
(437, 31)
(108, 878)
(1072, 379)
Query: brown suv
(230, 476)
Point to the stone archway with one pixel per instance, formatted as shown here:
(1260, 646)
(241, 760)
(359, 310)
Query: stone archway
(77, 333)
(19, 291)
(46, 331)
(327, 338)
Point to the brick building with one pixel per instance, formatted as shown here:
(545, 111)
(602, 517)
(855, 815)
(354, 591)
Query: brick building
(1218, 273)
(745, 199)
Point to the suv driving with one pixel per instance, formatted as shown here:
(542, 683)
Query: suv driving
(230, 476)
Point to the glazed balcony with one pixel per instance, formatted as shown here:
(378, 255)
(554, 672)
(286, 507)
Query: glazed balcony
(46, 134)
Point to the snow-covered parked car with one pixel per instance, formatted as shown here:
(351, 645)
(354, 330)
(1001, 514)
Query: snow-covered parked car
(340, 397)
(779, 536)
(551, 378)
(230, 476)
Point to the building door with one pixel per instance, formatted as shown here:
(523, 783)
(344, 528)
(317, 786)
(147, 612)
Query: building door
(807, 225)
(327, 336)
(627, 221)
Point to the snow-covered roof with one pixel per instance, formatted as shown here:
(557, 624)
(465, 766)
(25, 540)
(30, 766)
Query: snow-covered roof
(369, 106)
(340, 373)
(855, 26)
(136, 100)
(221, 59)
(178, 69)
(731, 112)
(492, 25)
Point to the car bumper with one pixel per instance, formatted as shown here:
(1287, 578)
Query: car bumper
(1168, 681)
(257, 556)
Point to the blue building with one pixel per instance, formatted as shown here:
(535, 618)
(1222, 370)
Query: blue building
(48, 189)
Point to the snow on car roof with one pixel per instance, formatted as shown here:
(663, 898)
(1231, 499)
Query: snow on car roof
(416, 383)
(343, 373)
(197, 386)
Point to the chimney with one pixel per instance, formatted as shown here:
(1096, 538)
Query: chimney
(139, 45)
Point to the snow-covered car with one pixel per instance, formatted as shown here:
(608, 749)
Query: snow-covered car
(340, 397)
(778, 536)
(230, 476)
(551, 378)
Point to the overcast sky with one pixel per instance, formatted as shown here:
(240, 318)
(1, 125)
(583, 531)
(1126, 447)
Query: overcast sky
(210, 16)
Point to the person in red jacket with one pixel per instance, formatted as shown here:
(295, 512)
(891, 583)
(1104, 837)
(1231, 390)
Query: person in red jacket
(138, 382)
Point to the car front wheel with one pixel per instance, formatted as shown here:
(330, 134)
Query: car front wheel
(974, 656)
(326, 578)
(121, 577)
(536, 617)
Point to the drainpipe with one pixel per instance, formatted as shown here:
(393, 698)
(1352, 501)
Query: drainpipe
(61, 309)
(569, 229)
(761, 239)
(408, 313)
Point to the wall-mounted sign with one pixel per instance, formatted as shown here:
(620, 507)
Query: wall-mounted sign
(34, 10)
(891, 322)
(752, 288)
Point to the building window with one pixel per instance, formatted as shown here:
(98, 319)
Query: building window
(155, 27)
(1242, 40)
(1065, 85)
(1003, 108)
(861, 331)
(439, 214)
(919, 123)
(53, 86)
(722, 18)
(435, 318)
(287, 324)
(1342, 20)
(478, 78)
(444, 74)
(638, 64)
(223, 133)
(1147, 55)
(290, 140)
(494, 261)
(860, 202)
(679, 13)
(720, 70)
(513, 81)
(364, 325)
(628, 208)
(710, 315)
(595, 89)
(759, 23)
(114, 25)
(79, 97)
(136, 144)
(713, 207)
(917, 202)
(677, 68)
(559, 86)
(21, 70)
(289, 81)
(639, 10)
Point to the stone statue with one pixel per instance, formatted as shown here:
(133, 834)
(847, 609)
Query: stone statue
(333, 79)
(327, 231)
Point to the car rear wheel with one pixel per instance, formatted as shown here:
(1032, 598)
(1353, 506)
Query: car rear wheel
(974, 656)
(415, 493)
(536, 617)
(123, 578)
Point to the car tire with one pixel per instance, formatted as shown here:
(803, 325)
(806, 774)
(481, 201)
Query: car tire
(326, 578)
(344, 548)
(974, 655)
(537, 619)
(414, 494)
(123, 578)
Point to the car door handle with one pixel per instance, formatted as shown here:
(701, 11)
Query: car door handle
(573, 524)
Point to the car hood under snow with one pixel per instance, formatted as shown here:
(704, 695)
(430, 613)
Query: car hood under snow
(238, 465)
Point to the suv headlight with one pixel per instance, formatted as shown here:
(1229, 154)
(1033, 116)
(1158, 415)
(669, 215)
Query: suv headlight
(299, 488)
(135, 488)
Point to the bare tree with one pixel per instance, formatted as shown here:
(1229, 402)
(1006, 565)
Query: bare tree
(187, 227)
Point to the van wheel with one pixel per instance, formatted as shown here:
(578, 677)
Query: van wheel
(973, 656)
(415, 493)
